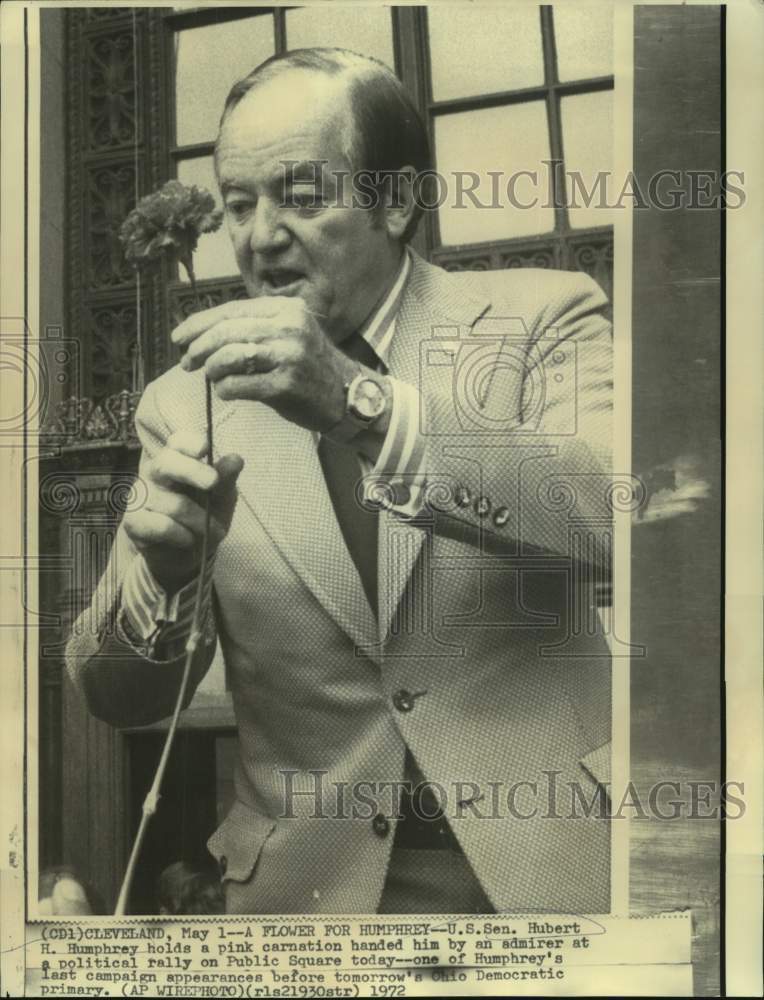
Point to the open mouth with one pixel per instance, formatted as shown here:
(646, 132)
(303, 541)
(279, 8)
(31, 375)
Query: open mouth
(280, 281)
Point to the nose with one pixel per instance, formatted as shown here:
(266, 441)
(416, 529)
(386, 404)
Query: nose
(268, 233)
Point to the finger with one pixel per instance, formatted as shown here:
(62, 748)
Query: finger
(147, 528)
(228, 468)
(229, 331)
(263, 387)
(252, 359)
(242, 359)
(191, 443)
(198, 323)
(180, 508)
(172, 469)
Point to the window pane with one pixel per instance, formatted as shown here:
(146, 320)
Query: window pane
(479, 50)
(505, 140)
(587, 137)
(584, 39)
(209, 61)
(214, 257)
(368, 30)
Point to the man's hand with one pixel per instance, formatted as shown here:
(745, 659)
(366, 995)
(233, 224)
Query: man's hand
(270, 349)
(168, 529)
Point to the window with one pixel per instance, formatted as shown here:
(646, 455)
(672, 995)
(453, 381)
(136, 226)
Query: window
(526, 94)
(208, 58)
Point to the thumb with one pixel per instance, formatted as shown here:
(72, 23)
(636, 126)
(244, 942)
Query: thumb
(228, 468)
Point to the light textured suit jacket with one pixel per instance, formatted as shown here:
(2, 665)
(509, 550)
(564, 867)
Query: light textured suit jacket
(486, 615)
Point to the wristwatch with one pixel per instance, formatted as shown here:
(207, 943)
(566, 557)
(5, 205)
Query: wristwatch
(365, 402)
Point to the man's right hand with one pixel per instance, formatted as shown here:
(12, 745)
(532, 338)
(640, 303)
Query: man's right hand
(168, 529)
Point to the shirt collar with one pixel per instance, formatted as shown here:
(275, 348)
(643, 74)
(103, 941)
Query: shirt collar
(379, 328)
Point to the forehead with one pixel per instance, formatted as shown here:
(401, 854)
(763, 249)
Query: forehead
(299, 114)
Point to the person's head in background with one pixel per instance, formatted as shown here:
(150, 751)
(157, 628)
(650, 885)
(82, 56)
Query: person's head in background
(61, 892)
(299, 230)
(183, 889)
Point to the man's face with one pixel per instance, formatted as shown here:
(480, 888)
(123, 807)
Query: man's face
(338, 258)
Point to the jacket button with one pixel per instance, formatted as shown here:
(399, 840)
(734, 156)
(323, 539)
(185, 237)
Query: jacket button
(223, 864)
(380, 825)
(403, 700)
(501, 516)
(463, 496)
(482, 506)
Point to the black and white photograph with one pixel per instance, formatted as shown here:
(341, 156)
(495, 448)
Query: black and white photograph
(370, 527)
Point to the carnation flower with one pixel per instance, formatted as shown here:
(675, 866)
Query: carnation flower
(170, 220)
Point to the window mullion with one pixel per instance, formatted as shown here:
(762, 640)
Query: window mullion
(412, 63)
(557, 178)
(279, 30)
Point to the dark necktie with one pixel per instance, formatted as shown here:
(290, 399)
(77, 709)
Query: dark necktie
(341, 465)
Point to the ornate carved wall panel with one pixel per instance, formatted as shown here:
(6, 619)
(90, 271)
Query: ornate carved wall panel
(113, 339)
(111, 57)
(109, 196)
(593, 254)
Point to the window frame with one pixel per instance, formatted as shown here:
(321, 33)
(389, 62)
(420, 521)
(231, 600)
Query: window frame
(551, 91)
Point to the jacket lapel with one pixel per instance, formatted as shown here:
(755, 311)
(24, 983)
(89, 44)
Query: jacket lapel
(282, 485)
(434, 305)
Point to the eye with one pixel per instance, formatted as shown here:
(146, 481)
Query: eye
(307, 199)
(238, 208)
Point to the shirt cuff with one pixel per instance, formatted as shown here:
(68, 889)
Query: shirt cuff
(153, 618)
(398, 479)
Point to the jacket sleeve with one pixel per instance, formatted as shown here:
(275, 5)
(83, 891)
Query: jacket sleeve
(516, 418)
(125, 681)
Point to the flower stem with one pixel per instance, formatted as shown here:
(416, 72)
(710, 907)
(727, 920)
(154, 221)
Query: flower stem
(189, 266)
(152, 797)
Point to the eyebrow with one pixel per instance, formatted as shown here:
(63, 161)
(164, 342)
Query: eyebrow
(227, 186)
(302, 171)
(290, 172)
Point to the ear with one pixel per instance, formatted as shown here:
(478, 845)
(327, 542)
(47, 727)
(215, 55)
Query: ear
(398, 200)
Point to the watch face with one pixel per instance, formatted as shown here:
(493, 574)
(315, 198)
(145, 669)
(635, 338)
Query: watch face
(368, 400)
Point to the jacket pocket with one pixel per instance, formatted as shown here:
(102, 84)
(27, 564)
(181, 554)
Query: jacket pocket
(238, 841)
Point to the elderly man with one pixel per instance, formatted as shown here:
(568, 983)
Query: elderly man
(411, 516)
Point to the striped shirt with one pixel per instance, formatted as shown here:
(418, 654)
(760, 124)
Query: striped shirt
(158, 625)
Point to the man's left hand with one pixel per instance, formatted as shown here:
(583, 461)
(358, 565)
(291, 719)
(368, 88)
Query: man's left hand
(271, 349)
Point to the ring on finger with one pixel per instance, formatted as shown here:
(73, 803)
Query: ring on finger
(250, 360)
